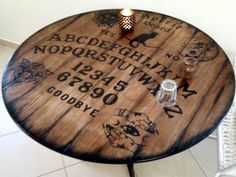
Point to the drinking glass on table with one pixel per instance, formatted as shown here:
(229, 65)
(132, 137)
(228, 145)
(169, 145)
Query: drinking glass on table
(167, 93)
(189, 67)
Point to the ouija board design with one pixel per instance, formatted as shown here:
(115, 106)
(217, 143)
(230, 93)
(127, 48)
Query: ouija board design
(125, 134)
(106, 18)
(84, 88)
(27, 71)
(142, 39)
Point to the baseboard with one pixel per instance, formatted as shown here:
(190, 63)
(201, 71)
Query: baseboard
(9, 43)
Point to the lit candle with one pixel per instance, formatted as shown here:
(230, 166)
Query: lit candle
(127, 20)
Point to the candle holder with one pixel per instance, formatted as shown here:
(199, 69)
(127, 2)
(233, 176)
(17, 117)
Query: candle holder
(127, 20)
(189, 67)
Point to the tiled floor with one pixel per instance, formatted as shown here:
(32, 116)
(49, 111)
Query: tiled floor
(20, 156)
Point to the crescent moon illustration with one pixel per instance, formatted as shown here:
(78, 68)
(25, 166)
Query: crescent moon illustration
(118, 122)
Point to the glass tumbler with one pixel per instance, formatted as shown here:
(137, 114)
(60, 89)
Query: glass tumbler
(167, 93)
(192, 52)
(189, 67)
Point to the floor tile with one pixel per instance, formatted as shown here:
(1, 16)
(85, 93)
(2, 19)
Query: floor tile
(205, 153)
(87, 169)
(23, 157)
(214, 134)
(70, 161)
(59, 173)
(180, 165)
(7, 125)
(5, 54)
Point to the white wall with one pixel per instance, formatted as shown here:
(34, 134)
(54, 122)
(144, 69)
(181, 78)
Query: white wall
(21, 18)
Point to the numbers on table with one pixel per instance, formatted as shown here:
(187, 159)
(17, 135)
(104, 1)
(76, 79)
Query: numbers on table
(85, 86)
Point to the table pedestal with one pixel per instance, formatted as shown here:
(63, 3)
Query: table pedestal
(131, 169)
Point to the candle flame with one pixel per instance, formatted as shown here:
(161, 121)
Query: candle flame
(127, 12)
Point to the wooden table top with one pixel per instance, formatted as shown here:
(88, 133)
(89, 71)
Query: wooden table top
(85, 89)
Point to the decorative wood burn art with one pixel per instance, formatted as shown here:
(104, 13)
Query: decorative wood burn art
(27, 71)
(125, 133)
(107, 18)
(84, 88)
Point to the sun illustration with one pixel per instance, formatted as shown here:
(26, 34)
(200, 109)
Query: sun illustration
(106, 18)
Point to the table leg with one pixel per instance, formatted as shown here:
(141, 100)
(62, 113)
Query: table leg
(131, 169)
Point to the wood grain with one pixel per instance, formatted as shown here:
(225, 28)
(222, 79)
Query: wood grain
(84, 88)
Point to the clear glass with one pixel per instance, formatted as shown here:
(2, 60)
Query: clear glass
(167, 93)
(192, 52)
(189, 67)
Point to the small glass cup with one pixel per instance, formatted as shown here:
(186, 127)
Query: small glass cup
(167, 93)
(189, 67)
(193, 52)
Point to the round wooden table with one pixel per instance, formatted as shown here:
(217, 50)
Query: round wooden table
(84, 88)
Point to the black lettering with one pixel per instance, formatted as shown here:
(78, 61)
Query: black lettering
(174, 109)
(164, 72)
(154, 19)
(55, 37)
(51, 89)
(145, 16)
(154, 90)
(174, 24)
(76, 67)
(113, 59)
(93, 113)
(64, 97)
(57, 93)
(154, 66)
(72, 100)
(110, 99)
(167, 30)
(104, 44)
(168, 22)
(146, 60)
(168, 55)
(108, 33)
(65, 49)
(178, 27)
(70, 38)
(78, 52)
(102, 57)
(93, 42)
(146, 79)
(136, 56)
(122, 65)
(115, 46)
(78, 104)
(176, 77)
(54, 49)
(41, 49)
(125, 51)
(171, 56)
(79, 39)
(135, 71)
(185, 87)
(86, 108)
(176, 57)
(91, 53)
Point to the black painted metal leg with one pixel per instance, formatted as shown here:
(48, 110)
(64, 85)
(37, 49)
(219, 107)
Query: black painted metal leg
(131, 169)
